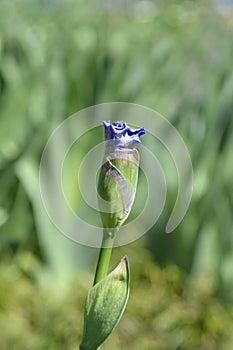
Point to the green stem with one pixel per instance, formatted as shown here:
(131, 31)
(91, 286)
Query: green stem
(104, 257)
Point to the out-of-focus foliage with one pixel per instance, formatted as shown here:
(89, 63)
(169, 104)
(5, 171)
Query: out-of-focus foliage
(57, 57)
(164, 312)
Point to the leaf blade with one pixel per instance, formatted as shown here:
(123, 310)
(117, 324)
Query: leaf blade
(105, 304)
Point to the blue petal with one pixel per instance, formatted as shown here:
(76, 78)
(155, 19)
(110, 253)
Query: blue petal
(122, 134)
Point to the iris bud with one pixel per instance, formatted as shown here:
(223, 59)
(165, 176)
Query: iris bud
(119, 174)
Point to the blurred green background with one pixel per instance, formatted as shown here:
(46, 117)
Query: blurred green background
(57, 57)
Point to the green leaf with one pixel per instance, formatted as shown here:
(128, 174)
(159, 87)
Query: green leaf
(105, 304)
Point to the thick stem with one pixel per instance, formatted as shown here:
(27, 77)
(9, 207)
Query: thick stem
(104, 257)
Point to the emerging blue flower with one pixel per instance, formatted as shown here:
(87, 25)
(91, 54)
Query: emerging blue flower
(122, 134)
(119, 174)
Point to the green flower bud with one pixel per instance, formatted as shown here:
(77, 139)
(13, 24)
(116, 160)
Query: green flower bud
(119, 174)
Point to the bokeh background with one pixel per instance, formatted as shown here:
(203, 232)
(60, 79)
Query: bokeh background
(57, 57)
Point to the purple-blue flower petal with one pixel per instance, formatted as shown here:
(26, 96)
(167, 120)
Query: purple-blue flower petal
(122, 134)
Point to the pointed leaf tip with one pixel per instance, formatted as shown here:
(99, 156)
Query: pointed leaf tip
(105, 304)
